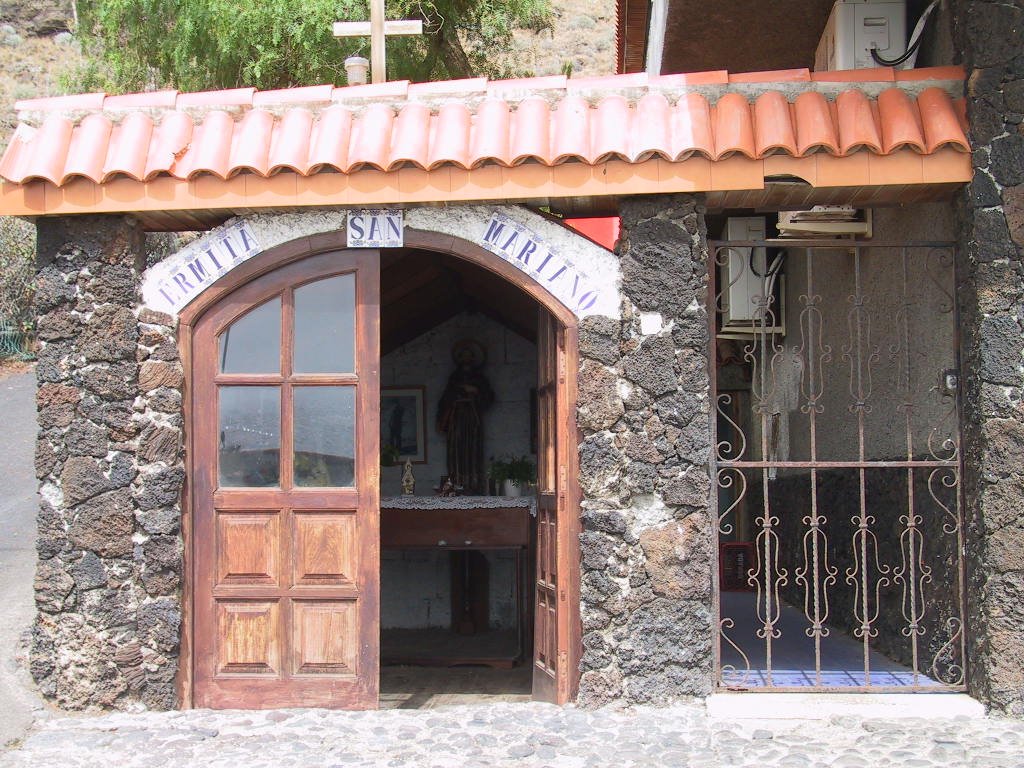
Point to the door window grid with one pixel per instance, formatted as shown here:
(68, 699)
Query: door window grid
(295, 449)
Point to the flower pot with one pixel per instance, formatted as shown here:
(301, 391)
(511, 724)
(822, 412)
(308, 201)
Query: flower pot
(512, 488)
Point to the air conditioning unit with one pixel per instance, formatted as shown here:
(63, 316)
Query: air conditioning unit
(855, 27)
(748, 274)
(827, 222)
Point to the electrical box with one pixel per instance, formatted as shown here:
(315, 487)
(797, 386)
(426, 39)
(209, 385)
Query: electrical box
(855, 27)
(748, 275)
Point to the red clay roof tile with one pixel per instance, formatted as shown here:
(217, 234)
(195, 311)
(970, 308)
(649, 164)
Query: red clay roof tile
(858, 124)
(80, 101)
(151, 99)
(310, 94)
(815, 126)
(471, 123)
(872, 75)
(233, 97)
(691, 127)
(774, 76)
(290, 145)
(129, 146)
(733, 127)
(900, 121)
(773, 125)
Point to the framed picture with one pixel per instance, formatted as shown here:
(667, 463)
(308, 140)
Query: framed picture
(403, 422)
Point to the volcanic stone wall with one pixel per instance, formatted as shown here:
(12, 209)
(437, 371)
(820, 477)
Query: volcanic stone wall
(647, 544)
(991, 272)
(109, 463)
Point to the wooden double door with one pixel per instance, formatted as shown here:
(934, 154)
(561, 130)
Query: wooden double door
(285, 536)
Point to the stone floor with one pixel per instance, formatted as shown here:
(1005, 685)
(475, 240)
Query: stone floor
(404, 687)
(492, 735)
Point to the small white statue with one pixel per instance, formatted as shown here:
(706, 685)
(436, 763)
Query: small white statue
(408, 481)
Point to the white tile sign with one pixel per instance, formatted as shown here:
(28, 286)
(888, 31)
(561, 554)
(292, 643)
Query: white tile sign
(170, 285)
(529, 252)
(375, 228)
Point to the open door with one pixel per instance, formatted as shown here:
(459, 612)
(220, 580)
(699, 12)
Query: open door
(551, 680)
(285, 530)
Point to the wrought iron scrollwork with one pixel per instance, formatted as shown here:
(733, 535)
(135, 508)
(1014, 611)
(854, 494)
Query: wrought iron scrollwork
(856, 515)
(730, 478)
(947, 665)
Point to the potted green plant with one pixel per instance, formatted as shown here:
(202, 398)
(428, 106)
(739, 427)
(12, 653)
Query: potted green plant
(389, 455)
(512, 473)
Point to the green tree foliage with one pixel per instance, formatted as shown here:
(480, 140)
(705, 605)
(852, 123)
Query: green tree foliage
(204, 44)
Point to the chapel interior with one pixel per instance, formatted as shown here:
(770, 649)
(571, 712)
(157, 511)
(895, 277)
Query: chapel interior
(456, 572)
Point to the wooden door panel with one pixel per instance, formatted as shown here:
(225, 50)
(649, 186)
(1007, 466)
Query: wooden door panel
(550, 620)
(286, 594)
(248, 547)
(248, 631)
(325, 551)
(323, 634)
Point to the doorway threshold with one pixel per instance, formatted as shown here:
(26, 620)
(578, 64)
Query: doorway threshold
(823, 706)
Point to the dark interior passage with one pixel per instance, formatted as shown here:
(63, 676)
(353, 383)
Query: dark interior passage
(456, 607)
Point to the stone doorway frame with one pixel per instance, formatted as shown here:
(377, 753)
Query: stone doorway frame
(570, 645)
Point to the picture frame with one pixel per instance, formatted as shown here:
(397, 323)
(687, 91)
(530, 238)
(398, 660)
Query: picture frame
(403, 422)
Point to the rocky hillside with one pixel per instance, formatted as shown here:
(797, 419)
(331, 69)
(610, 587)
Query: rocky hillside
(582, 36)
(36, 48)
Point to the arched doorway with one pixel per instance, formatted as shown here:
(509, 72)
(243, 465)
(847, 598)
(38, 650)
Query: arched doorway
(284, 535)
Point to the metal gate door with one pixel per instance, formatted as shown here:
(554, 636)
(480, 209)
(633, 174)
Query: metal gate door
(837, 458)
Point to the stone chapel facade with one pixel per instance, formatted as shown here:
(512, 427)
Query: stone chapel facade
(642, 501)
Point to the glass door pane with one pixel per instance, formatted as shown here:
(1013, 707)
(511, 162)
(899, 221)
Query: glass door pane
(252, 344)
(249, 436)
(325, 436)
(325, 326)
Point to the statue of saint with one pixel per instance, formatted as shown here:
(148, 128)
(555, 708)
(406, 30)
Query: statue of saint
(408, 481)
(460, 417)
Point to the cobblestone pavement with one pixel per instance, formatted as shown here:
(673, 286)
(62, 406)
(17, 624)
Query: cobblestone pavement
(509, 734)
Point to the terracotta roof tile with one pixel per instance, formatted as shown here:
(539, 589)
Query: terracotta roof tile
(151, 99)
(774, 76)
(90, 140)
(953, 72)
(81, 101)
(691, 128)
(234, 97)
(900, 121)
(872, 75)
(711, 77)
(858, 123)
(129, 147)
(472, 123)
(307, 95)
(733, 127)
(290, 144)
(773, 125)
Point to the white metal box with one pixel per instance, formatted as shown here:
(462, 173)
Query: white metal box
(743, 272)
(855, 27)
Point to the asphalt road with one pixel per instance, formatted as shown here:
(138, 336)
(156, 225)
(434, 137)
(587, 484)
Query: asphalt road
(17, 549)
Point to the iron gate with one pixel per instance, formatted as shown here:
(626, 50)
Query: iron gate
(837, 459)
